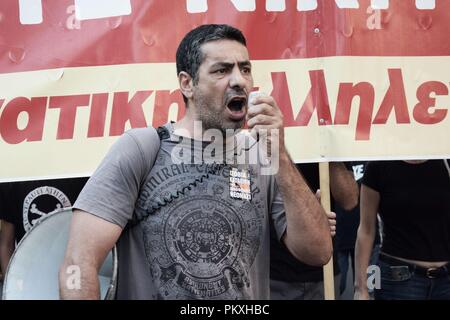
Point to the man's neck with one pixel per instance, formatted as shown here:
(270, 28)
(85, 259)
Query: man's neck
(185, 128)
(191, 128)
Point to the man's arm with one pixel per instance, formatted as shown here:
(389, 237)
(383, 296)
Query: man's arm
(307, 234)
(90, 240)
(7, 244)
(370, 200)
(343, 186)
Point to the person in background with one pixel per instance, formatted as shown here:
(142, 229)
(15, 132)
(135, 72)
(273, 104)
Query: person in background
(23, 203)
(291, 278)
(345, 239)
(412, 198)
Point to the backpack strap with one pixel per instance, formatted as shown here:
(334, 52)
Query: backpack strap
(150, 143)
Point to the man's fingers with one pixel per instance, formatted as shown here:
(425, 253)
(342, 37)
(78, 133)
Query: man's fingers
(331, 215)
(265, 129)
(318, 195)
(332, 222)
(332, 230)
(263, 99)
(261, 119)
(254, 110)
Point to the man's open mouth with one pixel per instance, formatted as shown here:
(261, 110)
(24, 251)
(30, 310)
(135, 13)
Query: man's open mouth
(236, 105)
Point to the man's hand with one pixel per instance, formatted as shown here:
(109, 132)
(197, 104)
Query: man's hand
(265, 120)
(331, 216)
(332, 222)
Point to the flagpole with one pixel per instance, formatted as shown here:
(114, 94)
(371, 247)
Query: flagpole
(328, 276)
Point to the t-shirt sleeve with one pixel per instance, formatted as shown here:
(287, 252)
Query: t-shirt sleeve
(278, 213)
(372, 175)
(113, 189)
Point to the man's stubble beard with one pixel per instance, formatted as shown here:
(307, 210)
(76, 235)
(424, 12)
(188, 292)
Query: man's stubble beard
(212, 117)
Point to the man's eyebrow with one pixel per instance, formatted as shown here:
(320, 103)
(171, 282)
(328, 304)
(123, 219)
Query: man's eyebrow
(229, 65)
(223, 65)
(245, 63)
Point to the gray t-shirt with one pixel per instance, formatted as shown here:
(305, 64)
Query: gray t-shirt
(195, 238)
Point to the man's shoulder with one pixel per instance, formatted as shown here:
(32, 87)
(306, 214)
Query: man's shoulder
(143, 137)
(138, 132)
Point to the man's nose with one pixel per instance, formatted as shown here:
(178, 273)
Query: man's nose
(237, 79)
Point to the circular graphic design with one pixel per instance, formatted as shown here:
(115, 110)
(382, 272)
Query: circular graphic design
(207, 238)
(41, 202)
(203, 246)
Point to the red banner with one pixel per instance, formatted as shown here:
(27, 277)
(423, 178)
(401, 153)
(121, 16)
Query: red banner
(153, 30)
(354, 79)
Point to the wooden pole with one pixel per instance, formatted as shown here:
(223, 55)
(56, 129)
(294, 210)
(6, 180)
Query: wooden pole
(328, 275)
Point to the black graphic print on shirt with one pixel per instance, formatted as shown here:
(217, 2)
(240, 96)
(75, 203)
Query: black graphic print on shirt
(202, 244)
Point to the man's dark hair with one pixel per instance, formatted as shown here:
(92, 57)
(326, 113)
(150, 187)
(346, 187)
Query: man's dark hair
(189, 55)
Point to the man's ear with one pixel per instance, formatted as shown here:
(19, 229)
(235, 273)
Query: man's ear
(186, 84)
